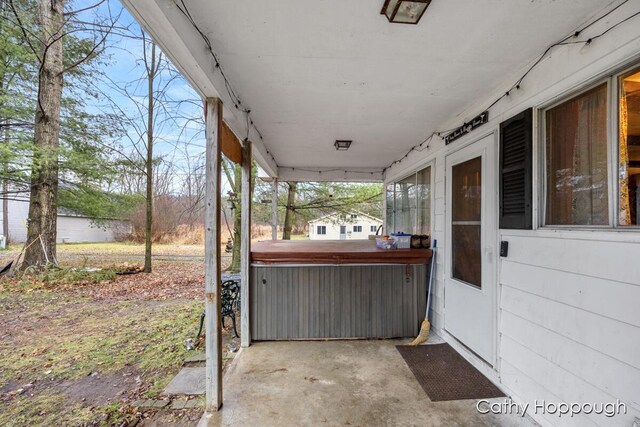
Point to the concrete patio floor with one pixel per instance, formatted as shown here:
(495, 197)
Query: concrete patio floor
(357, 383)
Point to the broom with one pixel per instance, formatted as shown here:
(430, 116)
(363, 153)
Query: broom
(423, 336)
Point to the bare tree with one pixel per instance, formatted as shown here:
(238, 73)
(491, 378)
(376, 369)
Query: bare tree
(152, 65)
(155, 154)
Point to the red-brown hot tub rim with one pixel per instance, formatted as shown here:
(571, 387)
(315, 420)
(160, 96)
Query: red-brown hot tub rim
(333, 252)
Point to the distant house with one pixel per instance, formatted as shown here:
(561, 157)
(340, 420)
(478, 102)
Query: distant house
(72, 228)
(343, 226)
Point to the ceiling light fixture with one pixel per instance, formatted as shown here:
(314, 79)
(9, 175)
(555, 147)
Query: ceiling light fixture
(342, 145)
(404, 11)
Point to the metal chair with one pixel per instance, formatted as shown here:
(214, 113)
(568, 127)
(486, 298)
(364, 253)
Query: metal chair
(230, 301)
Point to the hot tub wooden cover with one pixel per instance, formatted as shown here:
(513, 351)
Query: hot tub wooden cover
(333, 252)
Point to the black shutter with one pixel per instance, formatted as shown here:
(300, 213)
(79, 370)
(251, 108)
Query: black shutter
(516, 149)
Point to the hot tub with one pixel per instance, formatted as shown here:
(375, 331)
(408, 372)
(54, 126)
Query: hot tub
(336, 290)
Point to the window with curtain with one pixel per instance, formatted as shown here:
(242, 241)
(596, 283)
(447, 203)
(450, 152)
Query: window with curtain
(576, 160)
(423, 204)
(406, 205)
(409, 204)
(629, 148)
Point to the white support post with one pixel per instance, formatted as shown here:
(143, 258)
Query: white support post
(245, 245)
(274, 210)
(212, 282)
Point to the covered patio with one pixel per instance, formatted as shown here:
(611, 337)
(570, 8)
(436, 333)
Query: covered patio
(359, 383)
(508, 131)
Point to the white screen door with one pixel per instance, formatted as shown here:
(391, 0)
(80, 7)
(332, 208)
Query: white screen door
(470, 286)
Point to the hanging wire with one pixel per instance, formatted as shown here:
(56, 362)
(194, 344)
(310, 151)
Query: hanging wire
(562, 42)
(235, 98)
(233, 95)
(320, 171)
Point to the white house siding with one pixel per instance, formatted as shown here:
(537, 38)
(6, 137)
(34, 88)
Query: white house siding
(76, 230)
(17, 219)
(333, 228)
(568, 300)
(71, 229)
(569, 321)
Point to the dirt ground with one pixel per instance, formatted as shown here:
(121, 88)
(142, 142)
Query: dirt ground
(80, 352)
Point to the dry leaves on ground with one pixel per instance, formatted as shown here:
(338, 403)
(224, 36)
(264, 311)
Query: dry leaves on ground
(167, 281)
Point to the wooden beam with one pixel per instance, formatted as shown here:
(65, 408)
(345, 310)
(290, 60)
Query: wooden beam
(245, 245)
(212, 282)
(231, 146)
(274, 210)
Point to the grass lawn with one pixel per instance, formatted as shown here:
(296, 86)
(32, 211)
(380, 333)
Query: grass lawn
(79, 351)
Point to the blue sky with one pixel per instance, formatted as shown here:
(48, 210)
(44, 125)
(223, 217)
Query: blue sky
(179, 140)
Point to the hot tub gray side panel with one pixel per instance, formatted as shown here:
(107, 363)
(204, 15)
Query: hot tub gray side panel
(341, 301)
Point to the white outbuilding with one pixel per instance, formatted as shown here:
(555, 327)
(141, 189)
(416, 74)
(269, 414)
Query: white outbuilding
(72, 228)
(344, 226)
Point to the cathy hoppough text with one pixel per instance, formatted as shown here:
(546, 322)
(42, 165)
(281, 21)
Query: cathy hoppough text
(508, 406)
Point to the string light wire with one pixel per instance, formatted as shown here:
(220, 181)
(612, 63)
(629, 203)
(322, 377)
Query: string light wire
(562, 42)
(235, 98)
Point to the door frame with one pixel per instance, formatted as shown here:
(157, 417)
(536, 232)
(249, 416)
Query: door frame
(490, 237)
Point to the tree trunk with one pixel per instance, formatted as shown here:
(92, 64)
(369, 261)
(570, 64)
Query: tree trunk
(5, 188)
(5, 163)
(237, 219)
(44, 172)
(6, 58)
(151, 70)
(288, 216)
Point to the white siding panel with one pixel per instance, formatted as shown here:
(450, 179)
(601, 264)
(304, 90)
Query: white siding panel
(78, 230)
(18, 214)
(435, 303)
(439, 235)
(597, 258)
(440, 170)
(332, 225)
(615, 300)
(529, 390)
(619, 379)
(438, 287)
(616, 339)
(439, 223)
(69, 228)
(567, 387)
(439, 189)
(437, 321)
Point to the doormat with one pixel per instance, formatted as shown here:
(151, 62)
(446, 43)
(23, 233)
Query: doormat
(445, 375)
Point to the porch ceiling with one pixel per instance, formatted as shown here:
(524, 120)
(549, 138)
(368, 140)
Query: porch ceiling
(316, 71)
